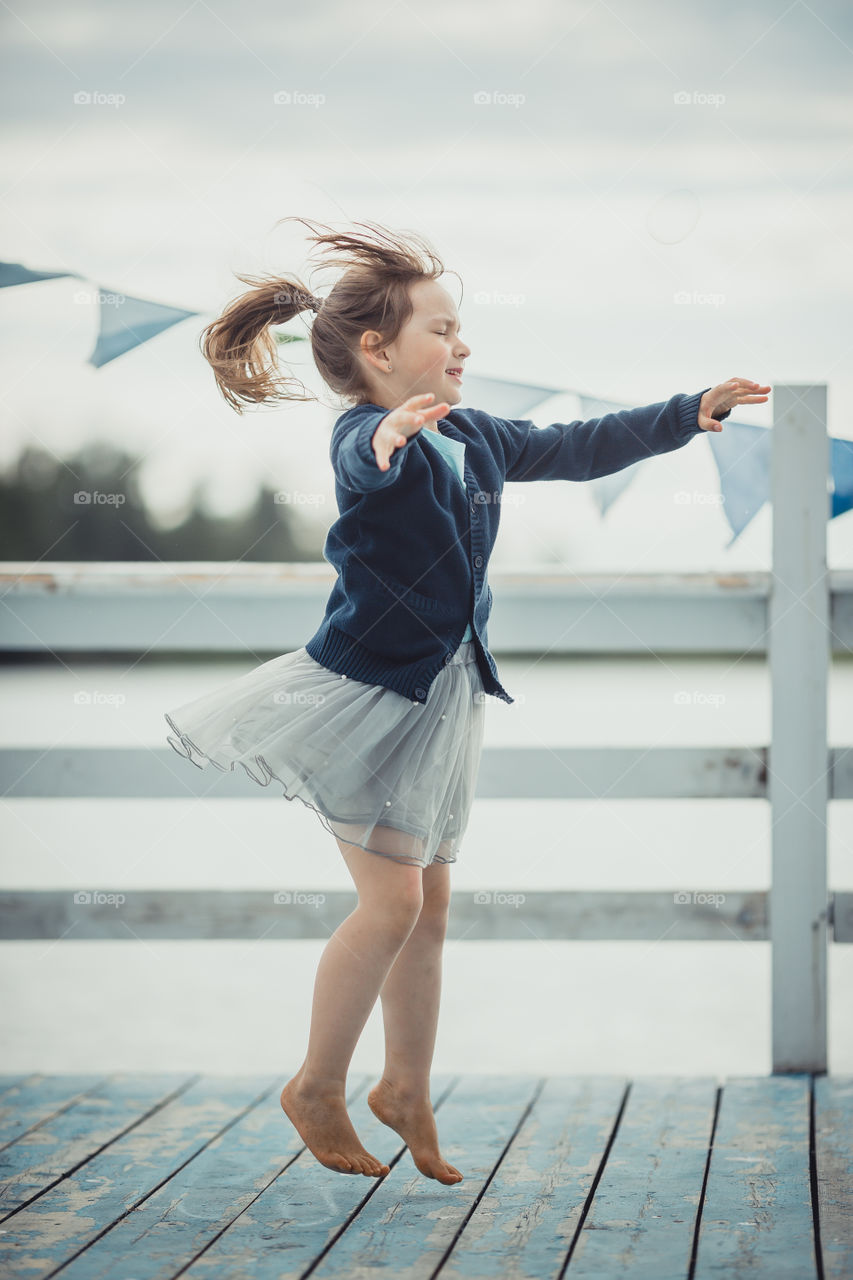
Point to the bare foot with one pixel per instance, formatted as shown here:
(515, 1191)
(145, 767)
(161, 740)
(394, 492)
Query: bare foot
(415, 1123)
(322, 1122)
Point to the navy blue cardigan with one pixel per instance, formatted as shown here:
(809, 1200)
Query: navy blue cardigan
(411, 548)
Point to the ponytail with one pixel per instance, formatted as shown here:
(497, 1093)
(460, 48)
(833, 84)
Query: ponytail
(372, 293)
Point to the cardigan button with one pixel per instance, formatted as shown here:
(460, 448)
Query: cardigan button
(478, 562)
(448, 657)
(387, 804)
(443, 716)
(343, 677)
(420, 693)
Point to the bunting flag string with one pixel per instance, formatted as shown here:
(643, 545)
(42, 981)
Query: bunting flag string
(741, 451)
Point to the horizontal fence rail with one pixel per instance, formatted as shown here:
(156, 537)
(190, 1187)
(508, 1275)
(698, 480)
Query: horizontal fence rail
(518, 773)
(239, 608)
(558, 915)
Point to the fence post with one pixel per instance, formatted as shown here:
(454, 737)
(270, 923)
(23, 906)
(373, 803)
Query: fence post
(798, 783)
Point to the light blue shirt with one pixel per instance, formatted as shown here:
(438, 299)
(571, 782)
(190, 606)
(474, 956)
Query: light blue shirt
(454, 451)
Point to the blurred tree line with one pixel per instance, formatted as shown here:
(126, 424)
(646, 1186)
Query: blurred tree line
(42, 516)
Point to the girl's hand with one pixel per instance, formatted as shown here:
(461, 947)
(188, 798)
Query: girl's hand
(401, 423)
(726, 396)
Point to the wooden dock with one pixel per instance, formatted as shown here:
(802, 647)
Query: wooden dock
(148, 1176)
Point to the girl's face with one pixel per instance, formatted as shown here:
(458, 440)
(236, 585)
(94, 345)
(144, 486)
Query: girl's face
(428, 346)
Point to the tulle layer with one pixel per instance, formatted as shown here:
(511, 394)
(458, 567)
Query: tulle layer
(390, 775)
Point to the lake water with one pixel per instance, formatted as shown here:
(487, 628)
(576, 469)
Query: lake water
(533, 1006)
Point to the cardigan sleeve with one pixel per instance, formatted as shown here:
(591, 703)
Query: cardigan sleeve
(586, 450)
(353, 460)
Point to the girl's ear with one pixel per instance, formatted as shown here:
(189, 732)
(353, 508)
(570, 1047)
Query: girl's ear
(373, 352)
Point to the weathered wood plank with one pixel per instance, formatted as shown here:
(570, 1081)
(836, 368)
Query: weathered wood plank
(13, 1082)
(586, 915)
(527, 1219)
(38, 1099)
(299, 1215)
(833, 1141)
(68, 1139)
(402, 1224)
(757, 1213)
(182, 1219)
(71, 1215)
(409, 1224)
(642, 1217)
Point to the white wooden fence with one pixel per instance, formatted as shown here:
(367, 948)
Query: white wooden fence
(798, 614)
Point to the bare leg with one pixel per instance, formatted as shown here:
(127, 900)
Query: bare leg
(410, 998)
(352, 968)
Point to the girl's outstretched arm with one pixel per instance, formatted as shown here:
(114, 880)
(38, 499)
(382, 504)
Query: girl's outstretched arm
(587, 450)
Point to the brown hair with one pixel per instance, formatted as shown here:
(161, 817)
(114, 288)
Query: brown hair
(372, 293)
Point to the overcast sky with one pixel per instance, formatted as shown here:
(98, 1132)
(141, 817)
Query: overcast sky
(584, 167)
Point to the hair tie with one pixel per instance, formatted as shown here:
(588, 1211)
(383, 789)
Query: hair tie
(315, 304)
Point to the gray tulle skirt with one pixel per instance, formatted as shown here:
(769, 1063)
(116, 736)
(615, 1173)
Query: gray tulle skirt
(390, 775)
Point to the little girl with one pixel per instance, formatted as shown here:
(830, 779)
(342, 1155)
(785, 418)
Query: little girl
(376, 723)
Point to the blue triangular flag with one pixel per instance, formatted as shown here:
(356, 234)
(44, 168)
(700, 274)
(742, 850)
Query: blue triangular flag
(841, 458)
(501, 397)
(15, 273)
(130, 323)
(741, 453)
